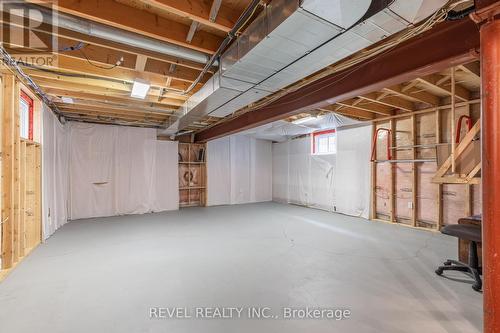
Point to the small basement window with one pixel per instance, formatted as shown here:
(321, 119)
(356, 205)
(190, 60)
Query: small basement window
(324, 142)
(26, 116)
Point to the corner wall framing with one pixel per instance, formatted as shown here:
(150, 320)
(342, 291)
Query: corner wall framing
(20, 181)
(402, 188)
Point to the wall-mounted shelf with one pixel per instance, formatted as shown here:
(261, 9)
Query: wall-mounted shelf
(192, 174)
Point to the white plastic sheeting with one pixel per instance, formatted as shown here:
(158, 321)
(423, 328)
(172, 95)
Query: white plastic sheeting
(94, 170)
(301, 178)
(352, 182)
(116, 170)
(281, 130)
(55, 173)
(239, 170)
(339, 182)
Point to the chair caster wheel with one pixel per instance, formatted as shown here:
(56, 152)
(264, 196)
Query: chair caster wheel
(439, 271)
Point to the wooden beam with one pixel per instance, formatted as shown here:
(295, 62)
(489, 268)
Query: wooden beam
(374, 108)
(433, 81)
(115, 91)
(150, 101)
(414, 94)
(349, 112)
(192, 31)
(80, 66)
(459, 150)
(123, 105)
(109, 114)
(199, 11)
(114, 110)
(121, 16)
(63, 81)
(140, 63)
(391, 101)
(472, 68)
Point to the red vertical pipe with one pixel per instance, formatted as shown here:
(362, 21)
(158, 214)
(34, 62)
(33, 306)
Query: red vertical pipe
(490, 135)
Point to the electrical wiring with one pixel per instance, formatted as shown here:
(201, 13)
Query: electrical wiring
(14, 67)
(80, 46)
(118, 63)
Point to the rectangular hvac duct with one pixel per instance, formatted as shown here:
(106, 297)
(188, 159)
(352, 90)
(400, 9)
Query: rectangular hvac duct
(290, 40)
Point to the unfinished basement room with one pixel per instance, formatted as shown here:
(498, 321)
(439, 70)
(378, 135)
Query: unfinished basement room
(258, 166)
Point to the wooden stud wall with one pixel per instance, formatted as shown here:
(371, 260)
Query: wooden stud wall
(403, 192)
(20, 182)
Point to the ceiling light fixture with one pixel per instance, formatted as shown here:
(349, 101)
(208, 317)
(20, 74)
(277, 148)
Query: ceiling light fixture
(67, 100)
(140, 89)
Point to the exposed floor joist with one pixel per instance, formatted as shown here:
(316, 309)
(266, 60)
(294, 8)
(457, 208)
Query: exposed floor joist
(138, 21)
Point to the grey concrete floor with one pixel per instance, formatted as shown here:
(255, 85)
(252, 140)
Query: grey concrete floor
(104, 275)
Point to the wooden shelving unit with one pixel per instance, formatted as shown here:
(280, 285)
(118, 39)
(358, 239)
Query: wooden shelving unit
(192, 174)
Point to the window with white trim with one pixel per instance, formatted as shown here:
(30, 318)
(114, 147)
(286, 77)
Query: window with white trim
(324, 142)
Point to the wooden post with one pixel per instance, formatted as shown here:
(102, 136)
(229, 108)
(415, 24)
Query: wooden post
(468, 187)
(373, 207)
(8, 139)
(22, 203)
(17, 175)
(393, 174)
(452, 119)
(414, 175)
(439, 199)
(38, 194)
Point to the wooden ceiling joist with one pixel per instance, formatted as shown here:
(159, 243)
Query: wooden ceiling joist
(77, 65)
(149, 101)
(151, 108)
(199, 11)
(73, 83)
(73, 108)
(473, 69)
(414, 94)
(112, 119)
(374, 108)
(350, 112)
(131, 19)
(390, 101)
(436, 82)
(79, 88)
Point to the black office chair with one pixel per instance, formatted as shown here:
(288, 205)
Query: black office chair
(472, 233)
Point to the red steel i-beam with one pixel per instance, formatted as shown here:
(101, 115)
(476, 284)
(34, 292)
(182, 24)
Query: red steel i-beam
(490, 136)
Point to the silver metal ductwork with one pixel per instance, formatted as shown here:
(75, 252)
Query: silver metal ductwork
(98, 30)
(290, 40)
